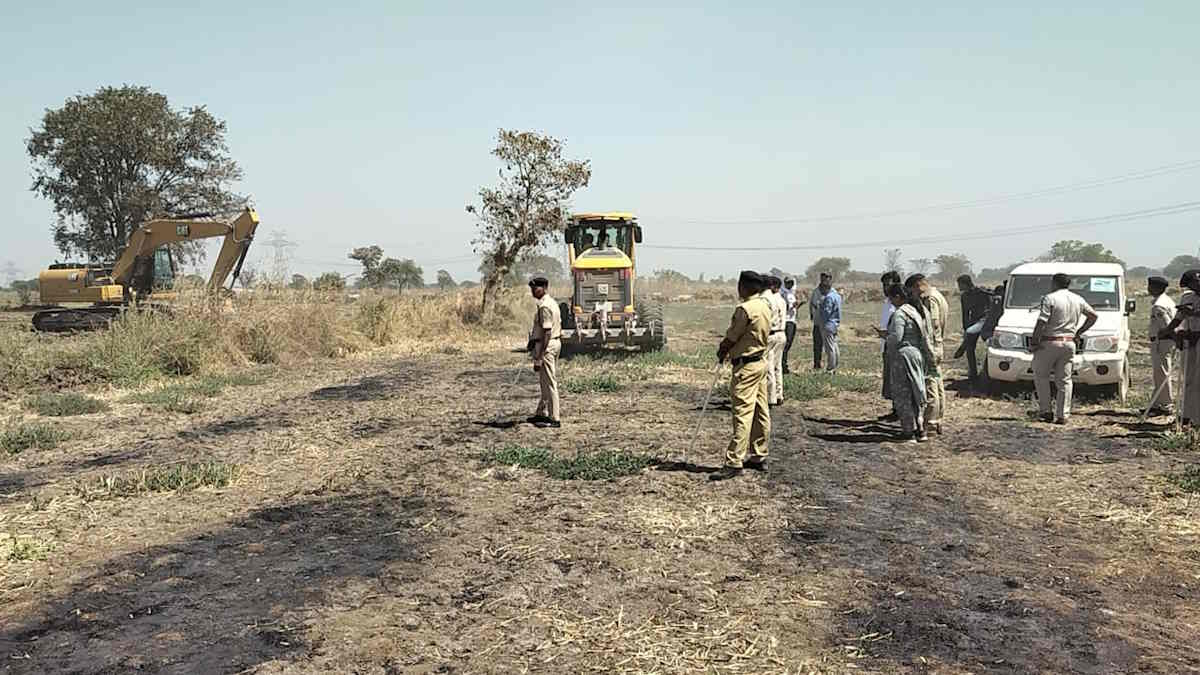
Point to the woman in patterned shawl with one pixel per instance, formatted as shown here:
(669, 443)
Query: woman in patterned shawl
(909, 357)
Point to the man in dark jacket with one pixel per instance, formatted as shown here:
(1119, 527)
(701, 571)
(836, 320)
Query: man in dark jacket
(976, 303)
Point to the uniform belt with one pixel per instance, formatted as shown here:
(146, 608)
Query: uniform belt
(743, 360)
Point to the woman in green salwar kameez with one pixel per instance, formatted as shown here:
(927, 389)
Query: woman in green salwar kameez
(909, 357)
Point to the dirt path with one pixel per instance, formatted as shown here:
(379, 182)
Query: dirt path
(362, 534)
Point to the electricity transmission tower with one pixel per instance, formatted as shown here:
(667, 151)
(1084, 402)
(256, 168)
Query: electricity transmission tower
(281, 258)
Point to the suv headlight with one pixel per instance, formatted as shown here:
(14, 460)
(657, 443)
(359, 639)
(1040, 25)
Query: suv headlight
(1101, 343)
(1006, 340)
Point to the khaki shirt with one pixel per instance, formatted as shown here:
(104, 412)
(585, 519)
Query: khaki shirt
(749, 328)
(937, 315)
(778, 310)
(546, 315)
(1061, 311)
(1161, 314)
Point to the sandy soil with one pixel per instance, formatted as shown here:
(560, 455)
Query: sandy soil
(364, 535)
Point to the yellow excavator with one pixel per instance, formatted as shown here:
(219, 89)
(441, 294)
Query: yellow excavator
(143, 275)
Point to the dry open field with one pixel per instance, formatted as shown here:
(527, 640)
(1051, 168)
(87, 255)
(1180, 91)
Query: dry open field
(366, 510)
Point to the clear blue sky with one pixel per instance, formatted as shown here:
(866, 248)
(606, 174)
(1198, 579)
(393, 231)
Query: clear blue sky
(371, 122)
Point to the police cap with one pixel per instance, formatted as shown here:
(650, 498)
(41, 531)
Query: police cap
(539, 282)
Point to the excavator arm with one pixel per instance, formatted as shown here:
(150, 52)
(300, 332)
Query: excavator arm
(156, 233)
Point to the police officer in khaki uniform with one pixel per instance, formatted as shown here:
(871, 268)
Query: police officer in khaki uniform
(547, 342)
(1053, 345)
(1162, 313)
(745, 345)
(776, 341)
(937, 316)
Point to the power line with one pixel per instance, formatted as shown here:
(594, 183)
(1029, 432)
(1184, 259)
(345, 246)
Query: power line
(992, 233)
(951, 206)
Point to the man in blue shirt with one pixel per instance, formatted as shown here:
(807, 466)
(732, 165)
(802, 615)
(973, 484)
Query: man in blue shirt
(831, 317)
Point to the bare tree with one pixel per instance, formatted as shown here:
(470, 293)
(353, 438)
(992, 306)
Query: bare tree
(527, 207)
(892, 262)
(920, 265)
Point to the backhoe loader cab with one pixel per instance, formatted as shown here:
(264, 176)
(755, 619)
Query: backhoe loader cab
(603, 309)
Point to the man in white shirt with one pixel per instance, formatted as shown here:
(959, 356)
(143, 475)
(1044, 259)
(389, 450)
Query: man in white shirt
(1053, 345)
(1162, 313)
(789, 330)
(885, 316)
(775, 340)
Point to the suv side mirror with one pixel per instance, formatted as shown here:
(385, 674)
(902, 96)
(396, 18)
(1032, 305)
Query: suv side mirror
(1130, 307)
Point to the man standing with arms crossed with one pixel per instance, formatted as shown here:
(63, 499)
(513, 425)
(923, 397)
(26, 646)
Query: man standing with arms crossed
(1053, 345)
(1162, 313)
(745, 345)
(814, 313)
(546, 336)
(775, 340)
(789, 330)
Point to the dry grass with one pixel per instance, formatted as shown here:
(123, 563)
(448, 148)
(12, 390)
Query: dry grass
(200, 337)
(172, 478)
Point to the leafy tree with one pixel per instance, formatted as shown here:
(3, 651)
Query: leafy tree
(670, 276)
(1180, 264)
(1073, 250)
(329, 281)
(920, 265)
(371, 257)
(952, 265)
(835, 266)
(114, 159)
(531, 264)
(527, 207)
(997, 273)
(1142, 272)
(893, 260)
(24, 290)
(401, 274)
(467, 283)
(444, 280)
(299, 282)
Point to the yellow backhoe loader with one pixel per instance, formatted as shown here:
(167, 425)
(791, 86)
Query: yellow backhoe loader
(143, 274)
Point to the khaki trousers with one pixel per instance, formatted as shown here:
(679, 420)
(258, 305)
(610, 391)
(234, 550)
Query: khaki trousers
(935, 393)
(1160, 361)
(1052, 362)
(751, 417)
(775, 344)
(548, 378)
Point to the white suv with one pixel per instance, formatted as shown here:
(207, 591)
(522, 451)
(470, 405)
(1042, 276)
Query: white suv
(1104, 360)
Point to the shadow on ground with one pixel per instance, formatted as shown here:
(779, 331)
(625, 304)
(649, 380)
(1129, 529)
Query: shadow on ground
(222, 601)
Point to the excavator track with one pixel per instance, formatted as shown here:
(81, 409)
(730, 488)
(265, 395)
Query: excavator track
(64, 320)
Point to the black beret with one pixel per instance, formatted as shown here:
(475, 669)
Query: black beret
(1158, 281)
(751, 278)
(539, 282)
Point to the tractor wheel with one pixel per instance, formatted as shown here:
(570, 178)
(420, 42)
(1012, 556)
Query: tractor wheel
(652, 315)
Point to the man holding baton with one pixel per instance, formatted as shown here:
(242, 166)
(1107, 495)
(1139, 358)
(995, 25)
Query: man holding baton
(745, 345)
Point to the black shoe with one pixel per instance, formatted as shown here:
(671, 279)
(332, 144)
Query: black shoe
(890, 417)
(537, 418)
(757, 466)
(1060, 421)
(1045, 417)
(725, 473)
(547, 424)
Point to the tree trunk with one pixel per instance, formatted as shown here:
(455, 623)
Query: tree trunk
(491, 294)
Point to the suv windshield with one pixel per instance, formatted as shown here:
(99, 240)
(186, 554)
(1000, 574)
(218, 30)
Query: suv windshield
(1101, 292)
